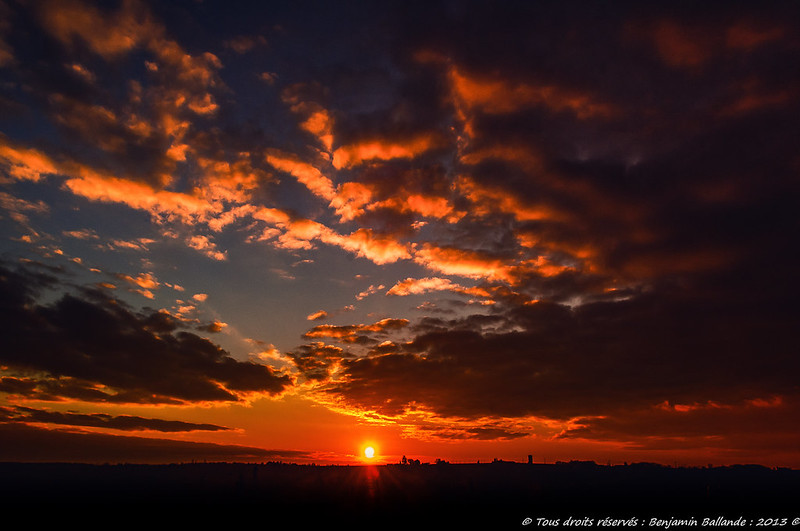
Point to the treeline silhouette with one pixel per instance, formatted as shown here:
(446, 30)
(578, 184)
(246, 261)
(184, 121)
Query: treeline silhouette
(497, 495)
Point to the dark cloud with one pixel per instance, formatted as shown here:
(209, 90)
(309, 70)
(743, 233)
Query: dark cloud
(315, 361)
(86, 342)
(558, 362)
(746, 424)
(26, 443)
(101, 420)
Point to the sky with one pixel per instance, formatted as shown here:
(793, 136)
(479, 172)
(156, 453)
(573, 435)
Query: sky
(447, 230)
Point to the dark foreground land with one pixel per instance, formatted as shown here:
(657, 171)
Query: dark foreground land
(442, 496)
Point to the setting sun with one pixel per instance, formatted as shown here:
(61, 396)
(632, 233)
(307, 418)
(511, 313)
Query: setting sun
(369, 452)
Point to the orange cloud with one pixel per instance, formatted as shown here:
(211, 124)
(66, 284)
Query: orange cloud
(305, 173)
(163, 205)
(320, 125)
(545, 267)
(418, 286)
(465, 263)
(355, 154)
(106, 35)
(318, 121)
(524, 156)
(144, 284)
(487, 199)
(316, 316)
(24, 163)
(593, 200)
(429, 206)
(138, 195)
(351, 197)
(206, 246)
(348, 199)
(369, 291)
(272, 216)
(139, 244)
(300, 233)
(349, 333)
(215, 327)
(364, 243)
(229, 181)
(111, 35)
(144, 281)
(500, 96)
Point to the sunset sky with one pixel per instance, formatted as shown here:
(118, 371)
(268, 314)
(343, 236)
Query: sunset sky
(456, 230)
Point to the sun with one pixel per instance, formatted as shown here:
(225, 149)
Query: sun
(369, 452)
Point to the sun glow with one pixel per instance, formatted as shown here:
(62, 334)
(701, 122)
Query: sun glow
(369, 452)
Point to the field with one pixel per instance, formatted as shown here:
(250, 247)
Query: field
(497, 495)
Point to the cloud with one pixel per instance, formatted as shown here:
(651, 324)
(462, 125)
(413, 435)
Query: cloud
(144, 281)
(369, 291)
(356, 333)
(355, 154)
(418, 286)
(140, 196)
(488, 200)
(305, 173)
(317, 316)
(679, 46)
(139, 244)
(692, 43)
(19, 209)
(140, 131)
(499, 96)
(107, 35)
(101, 420)
(301, 233)
(465, 262)
(94, 348)
(214, 327)
(206, 246)
(144, 284)
(592, 362)
(722, 425)
(6, 52)
(25, 163)
(125, 30)
(316, 361)
(366, 243)
(31, 444)
(427, 206)
(245, 43)
(317, 120)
